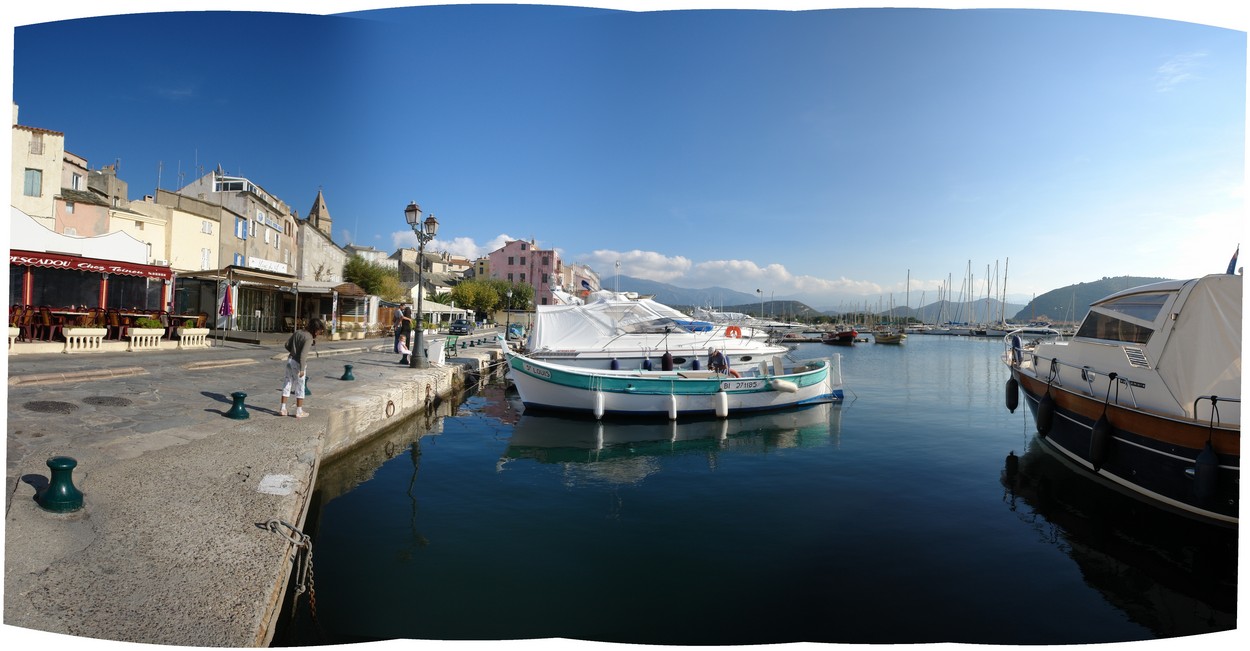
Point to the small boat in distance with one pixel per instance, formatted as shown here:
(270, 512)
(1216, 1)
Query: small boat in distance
(888, 336)
(844, 335)
(1146, 395)
(673, 393)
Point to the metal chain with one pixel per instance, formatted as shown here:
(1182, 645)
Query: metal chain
(303, 561)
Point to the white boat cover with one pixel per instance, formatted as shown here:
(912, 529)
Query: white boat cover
(1202, 356)
(605, 315)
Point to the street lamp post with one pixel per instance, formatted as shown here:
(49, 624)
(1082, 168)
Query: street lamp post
(425, 232)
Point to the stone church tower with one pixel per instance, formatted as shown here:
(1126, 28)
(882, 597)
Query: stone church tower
(319, 216)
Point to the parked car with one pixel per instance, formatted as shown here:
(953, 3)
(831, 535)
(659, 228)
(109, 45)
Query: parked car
(461, 327)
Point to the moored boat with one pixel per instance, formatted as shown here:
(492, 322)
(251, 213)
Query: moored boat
(843, 336)
(888, 336)
(674, 393)
(1147, 394)
(619, 331)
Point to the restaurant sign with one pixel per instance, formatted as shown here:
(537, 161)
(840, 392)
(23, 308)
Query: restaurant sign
(78, 263)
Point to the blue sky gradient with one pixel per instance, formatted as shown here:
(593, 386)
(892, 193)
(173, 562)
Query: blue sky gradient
(823, 154)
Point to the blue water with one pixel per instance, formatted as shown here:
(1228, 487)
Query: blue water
(887, 519)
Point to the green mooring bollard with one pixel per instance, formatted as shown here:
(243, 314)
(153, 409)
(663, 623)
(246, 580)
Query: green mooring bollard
(347, 375)
(60, 496)
(237, 410)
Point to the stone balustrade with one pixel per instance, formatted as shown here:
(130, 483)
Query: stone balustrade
(192, 338)
(84, 340)
(145, 338)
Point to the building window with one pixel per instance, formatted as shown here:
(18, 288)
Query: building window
(36, 144)
(546, 261)
(522, 261)
(238, 259)
(240, 228)
(139, 225)
(206, 227)
(510, 261)
(545, 279)
(522, 277)
(277, 237)
(205, 260)
(523, 246)
(251, 231)
(509, 277)
(69, 207)
(75, 182)
(32, 185)
(70, 230)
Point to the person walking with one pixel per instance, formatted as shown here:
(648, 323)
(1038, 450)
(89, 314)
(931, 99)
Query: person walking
(298, 346)
(403, 344)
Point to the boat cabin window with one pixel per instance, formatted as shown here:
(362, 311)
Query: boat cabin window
(1137, 307)
(1105, 326)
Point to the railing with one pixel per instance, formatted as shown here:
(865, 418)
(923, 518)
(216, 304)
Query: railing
(83, 340)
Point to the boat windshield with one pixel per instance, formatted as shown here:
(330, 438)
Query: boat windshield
(1125, 318)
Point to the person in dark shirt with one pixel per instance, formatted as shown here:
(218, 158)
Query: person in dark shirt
(298, 346)
(403, 343)
(717, 362)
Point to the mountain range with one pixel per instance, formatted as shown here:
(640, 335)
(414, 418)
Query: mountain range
(1065, 304)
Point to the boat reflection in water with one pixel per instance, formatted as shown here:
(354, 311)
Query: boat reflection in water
(626, 451)
(1152, 564)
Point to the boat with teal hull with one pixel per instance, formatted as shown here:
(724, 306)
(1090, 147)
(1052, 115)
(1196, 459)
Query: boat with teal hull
(674, 393)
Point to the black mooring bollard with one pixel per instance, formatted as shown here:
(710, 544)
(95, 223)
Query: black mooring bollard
(60, 496)
(347, 375)
(237, 410)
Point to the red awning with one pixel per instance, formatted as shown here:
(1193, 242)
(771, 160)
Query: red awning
(79, 263)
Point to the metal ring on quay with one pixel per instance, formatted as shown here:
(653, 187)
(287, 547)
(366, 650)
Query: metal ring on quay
(390, 408)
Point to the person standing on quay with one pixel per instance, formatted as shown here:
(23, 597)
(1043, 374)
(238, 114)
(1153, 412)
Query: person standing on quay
(404, 330)
(297, 364)
(395, 323)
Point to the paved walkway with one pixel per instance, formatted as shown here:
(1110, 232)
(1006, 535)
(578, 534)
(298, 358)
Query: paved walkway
(173, 543)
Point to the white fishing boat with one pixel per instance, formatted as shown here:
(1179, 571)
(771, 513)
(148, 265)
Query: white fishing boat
(620, 331)
(674, 393)
(1146, 395)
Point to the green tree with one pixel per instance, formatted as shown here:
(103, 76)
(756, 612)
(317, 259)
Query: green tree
(372, 277)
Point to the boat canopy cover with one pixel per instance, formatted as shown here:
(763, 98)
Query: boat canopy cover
(1202, 356)
(606, 314)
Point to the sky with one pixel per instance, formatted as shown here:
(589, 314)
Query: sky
(829, 155)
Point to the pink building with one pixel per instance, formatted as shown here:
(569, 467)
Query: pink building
(520, 262)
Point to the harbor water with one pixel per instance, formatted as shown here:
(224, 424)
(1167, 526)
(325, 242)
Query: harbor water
(919, 510)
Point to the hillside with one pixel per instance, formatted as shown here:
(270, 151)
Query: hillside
(1070, 304)
(1064, 305)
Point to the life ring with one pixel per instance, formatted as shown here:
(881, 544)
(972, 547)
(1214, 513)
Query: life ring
(733, 331)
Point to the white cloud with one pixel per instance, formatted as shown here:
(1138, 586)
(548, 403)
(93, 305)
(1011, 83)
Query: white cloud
(1177, 70)
(775, 280)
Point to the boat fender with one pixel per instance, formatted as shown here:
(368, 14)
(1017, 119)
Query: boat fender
(616, 364)
(722, 404)
(694, 365)
(646, 364)
(672, 407)
(1045, 413)
(1100, 442)
(666, 362)
(785, 386)
(1011, 468)
(1013, 394)
(1206, 467)
(1017, 351)
(598, 404)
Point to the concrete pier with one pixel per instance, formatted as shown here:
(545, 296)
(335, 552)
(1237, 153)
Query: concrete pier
(174, 544)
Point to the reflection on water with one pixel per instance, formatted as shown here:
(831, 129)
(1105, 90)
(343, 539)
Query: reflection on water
(832, 523)
(1173, 575)
(626, 451)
